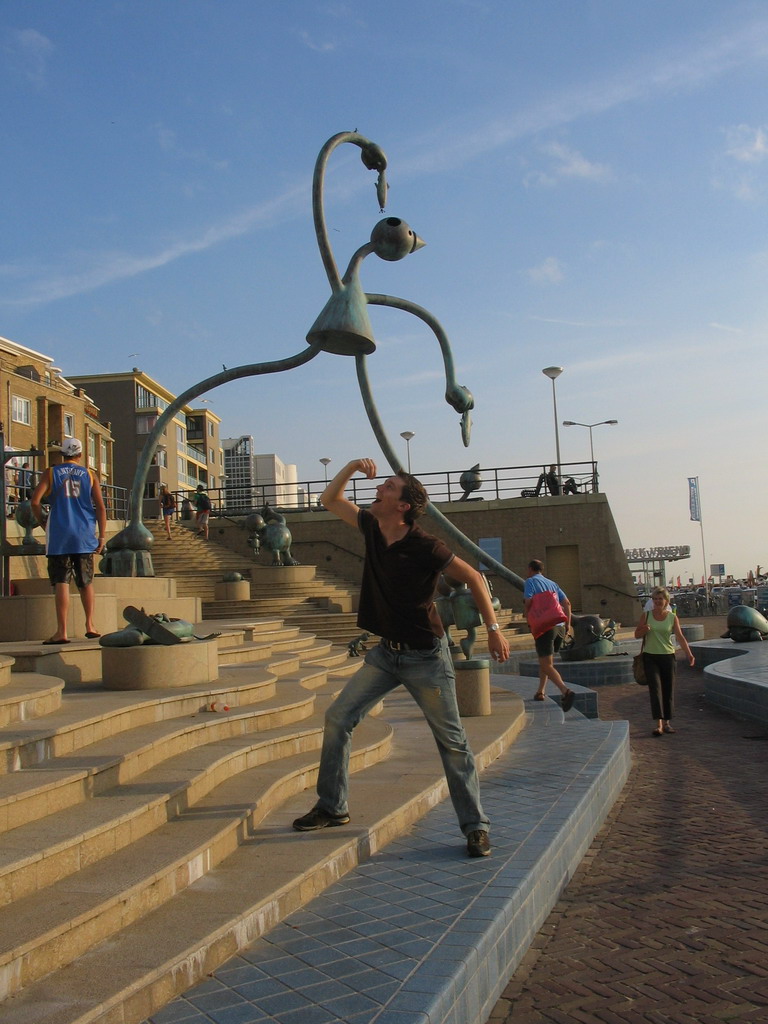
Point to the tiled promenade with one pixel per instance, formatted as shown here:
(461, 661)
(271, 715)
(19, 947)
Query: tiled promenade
(666, 920)
(420, 932)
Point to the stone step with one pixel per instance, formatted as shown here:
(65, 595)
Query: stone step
(51, 928)
(268, 873)
(31, 695)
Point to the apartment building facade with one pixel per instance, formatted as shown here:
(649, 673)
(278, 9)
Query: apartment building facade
(253, 479)
(189, 452)
(39, 407)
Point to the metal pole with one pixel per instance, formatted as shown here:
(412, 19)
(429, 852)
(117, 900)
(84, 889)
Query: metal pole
(557, 430)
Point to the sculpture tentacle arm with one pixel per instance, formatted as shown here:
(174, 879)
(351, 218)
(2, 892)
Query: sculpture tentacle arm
(234, 373)
(374, 159)
(456, 395)
(456, 535)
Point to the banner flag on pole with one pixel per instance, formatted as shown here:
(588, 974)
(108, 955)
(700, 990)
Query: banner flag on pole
(693, 499)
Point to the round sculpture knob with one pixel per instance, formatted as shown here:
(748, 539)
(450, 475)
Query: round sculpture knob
(392, 239)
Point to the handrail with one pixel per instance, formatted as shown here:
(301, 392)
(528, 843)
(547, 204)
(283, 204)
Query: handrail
(613, 590)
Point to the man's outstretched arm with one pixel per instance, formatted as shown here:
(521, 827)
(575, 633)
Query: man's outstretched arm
(333, 496)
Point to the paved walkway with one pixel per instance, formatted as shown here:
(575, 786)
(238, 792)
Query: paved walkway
(666, 919)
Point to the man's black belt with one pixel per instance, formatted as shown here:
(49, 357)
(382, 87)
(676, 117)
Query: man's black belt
(396, 645)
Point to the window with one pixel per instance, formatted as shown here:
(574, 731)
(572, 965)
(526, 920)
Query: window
(92, 451)
(103, 446)
(145, 422)
(181, 435)
(21, 410)
(69, 425)
(210, 430)
(160, 458)
(212, 456)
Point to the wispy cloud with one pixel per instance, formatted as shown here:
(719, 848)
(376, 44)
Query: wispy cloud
(683, 70)
(29, 52)
(590, 324)
(567, 163)
(748, 145)
(743, 168)
(550, 271)
(106, 268)
(326, 46)
(725, 327)
(168, 141)
(448, 145)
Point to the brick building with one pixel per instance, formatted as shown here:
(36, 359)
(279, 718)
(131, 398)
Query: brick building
(39, 407)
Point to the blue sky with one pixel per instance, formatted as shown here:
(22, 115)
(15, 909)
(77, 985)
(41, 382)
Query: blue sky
(591, 179)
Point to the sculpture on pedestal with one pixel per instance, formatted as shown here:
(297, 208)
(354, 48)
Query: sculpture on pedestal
(592, 638)
(746, 625)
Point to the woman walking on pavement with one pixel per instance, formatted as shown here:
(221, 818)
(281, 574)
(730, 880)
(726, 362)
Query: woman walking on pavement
(656, 628)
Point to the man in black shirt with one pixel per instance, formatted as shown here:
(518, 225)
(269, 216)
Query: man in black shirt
(402, 568)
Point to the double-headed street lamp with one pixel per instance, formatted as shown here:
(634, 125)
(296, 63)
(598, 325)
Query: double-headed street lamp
(589, 426)
(553, 372)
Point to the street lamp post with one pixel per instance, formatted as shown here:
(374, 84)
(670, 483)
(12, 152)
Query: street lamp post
(325, 462)
(407, 435)
(553, 372)
(589, 426)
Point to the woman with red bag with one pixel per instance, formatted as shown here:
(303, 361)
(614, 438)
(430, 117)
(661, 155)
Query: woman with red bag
(548, 612)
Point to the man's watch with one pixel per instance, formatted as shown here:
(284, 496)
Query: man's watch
(493, 628)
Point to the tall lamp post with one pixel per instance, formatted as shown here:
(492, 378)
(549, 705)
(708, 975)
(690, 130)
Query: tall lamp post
(589, 426)
(407, 435)
(553, 372)
(325, 467)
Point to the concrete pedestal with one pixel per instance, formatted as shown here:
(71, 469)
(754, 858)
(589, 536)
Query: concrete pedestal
(692, 632)
(154, 667)
(240, 591)
(473, 688)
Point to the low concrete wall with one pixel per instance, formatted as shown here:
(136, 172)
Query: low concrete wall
(33, 616)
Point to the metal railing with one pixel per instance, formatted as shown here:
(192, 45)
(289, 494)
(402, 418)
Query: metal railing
(497, 483)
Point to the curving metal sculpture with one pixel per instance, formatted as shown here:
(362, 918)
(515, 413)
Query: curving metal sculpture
(342, 328)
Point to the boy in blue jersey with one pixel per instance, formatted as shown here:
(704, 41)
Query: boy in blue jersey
(76, 507)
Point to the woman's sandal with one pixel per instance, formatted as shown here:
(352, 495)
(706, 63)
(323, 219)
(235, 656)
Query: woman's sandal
(668, 728)
(538, 696)
(657, 732)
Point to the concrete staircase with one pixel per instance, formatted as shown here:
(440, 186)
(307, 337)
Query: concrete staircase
(323, 605)
(144, 840)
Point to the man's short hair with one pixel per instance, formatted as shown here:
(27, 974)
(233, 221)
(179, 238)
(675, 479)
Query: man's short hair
(414, 494)
(536, 565)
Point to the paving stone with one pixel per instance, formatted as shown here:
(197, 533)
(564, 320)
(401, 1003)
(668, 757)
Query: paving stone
(666, 920)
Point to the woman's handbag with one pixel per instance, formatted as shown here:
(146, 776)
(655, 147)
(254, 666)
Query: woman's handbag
(638, 665)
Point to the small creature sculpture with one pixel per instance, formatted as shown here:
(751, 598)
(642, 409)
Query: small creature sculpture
(745, 625)
(356, 646)
(469, 481)
(151, 629)
(592, 638)
(456, 607)
(275, 536)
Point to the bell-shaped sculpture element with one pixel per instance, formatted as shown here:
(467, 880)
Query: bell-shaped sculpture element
(343, 327)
